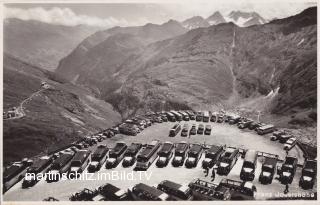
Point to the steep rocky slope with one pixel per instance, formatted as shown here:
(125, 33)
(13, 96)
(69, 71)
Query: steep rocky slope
(222, 65)
(102, 53)
(279, 57)
(42, 44)
(55, 117)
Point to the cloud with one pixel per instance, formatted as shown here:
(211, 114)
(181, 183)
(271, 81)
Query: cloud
(61, 16)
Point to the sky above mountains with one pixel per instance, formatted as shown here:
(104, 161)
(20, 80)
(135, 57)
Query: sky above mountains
(131, 14)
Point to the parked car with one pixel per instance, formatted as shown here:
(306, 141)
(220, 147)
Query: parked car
(276, 134)
(207, 131)
(193, 130)
(288, 169)
(200, 129)
(284, 138)
(268, 170)
(185, 130)
(290, 143)
(309, 173)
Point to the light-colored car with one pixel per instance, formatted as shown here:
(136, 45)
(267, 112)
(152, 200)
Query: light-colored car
(290, 143)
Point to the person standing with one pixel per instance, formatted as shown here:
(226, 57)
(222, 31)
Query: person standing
(206, 170)
(213, 175)
(286, 189)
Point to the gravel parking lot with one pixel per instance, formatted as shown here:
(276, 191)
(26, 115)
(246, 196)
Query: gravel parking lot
(221, 134)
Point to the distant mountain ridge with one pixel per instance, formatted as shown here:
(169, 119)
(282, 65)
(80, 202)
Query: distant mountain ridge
(41, 44)
(195, 22)
(240, 18)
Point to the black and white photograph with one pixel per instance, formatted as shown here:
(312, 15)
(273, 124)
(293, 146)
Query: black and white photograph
(159, 101)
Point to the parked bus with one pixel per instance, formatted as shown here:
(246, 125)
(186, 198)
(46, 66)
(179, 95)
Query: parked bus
(194, 155)
(180, 154)
(59, 166)
(212, 156)
(175, 191)
(116, 155)
(79, 162)
(249, 166)
(143, 192)
(177, 115)
(36, 171)
(206, 116)
(98, 158)
(147, 155)
(228, 160)
(171, 117)
(14, 173)
(174, 130)
(165, 154)
(191, 115)
(265, 129)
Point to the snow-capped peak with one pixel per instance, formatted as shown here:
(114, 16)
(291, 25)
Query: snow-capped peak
(195, 22)
(216, 18)
(245, 19)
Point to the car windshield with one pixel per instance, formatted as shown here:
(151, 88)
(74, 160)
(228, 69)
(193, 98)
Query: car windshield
(308, 172)
(141, 159)
(248, 164)
(113, 155)
(286, 168)
(267, 168)
(193, 154)
(225, 160)
(76, 163)
(55, 166)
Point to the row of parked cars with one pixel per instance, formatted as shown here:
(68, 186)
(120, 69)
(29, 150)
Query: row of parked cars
(285, 138)
(206, 116)
(167, 190)
(185, 131)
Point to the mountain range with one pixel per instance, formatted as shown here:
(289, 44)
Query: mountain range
(44, 45)
(240, 18)
(215, 64)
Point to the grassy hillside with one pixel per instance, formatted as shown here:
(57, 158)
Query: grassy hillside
(55, 117)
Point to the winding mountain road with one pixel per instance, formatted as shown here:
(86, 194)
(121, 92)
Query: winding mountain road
(19, 111)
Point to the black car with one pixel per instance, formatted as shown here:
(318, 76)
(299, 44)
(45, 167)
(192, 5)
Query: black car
(200, 129)
(130, 154)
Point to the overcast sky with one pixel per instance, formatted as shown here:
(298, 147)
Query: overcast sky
(129, 14)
